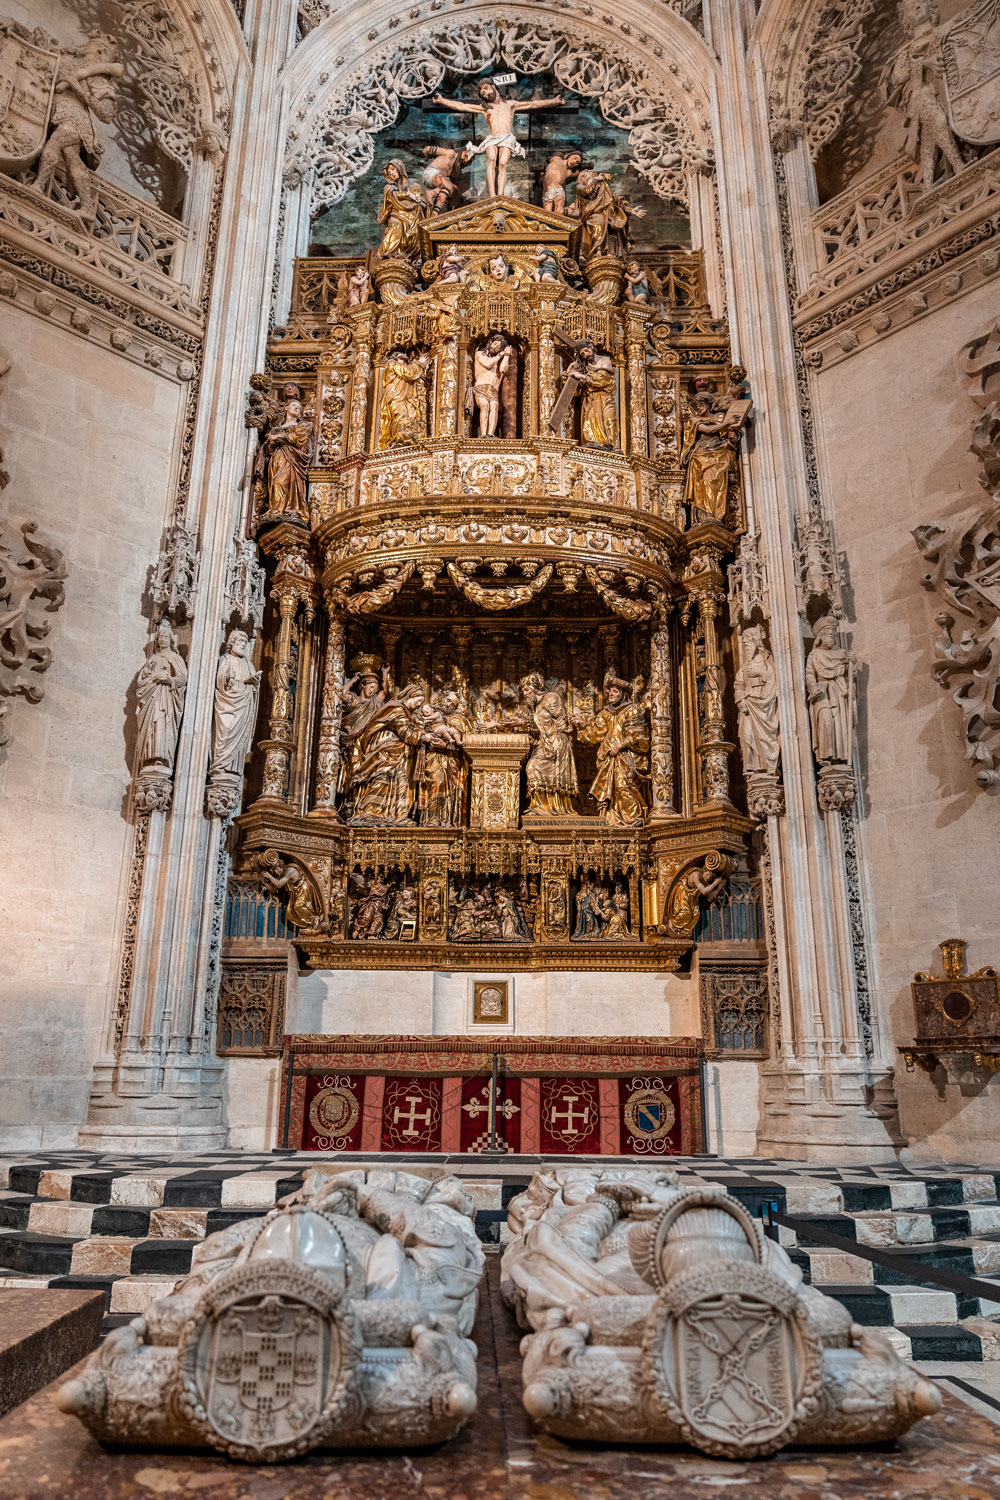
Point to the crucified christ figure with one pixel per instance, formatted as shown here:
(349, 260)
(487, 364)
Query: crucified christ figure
(500, 144)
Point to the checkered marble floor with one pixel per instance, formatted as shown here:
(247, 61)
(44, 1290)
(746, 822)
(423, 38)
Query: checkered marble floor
(127, 1224)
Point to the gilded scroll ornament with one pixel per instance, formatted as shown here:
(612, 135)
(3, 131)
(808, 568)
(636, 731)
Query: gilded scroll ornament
(507, 597)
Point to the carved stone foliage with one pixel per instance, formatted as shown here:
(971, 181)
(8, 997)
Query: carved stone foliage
(276, 1341)
(666, 143)
(244, 603)
(965, 559)
(175, 577)
(812, 90)
(31, 587)
(657, 1313)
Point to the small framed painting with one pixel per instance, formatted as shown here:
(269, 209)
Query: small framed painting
(491, 1002)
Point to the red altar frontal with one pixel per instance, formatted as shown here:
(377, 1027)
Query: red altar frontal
(572, 1096)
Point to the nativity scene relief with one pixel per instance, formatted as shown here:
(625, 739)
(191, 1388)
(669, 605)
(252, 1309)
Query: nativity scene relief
(497, 480)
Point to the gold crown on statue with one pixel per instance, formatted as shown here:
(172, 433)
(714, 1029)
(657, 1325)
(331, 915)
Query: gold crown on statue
(366, 666)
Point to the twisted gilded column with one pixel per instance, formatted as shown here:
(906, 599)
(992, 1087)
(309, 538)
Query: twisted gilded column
(705, 583)
(636, 334)
(293, 585)
(546, 371)
(363, 326)
(328, 753)
(661, 716)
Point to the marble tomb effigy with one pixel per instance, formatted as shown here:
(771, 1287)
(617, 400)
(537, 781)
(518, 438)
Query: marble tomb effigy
(662, 1314)
(340, 1319)
(496, 485)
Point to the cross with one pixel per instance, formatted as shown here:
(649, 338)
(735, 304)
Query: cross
(571, 384)
(412, 1119)
(571, 1115)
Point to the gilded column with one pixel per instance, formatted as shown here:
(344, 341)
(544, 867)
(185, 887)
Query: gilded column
(661, 705)
(705, 582)
(293, 585)
(636, 334)
(447, 412)
(546, 372)
(364, 345)
(328, 753)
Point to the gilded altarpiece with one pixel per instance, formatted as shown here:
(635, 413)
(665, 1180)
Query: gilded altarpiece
(496, 493)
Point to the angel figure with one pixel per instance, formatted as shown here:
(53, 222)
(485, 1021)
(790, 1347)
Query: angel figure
(636, 283)
(500, 145)
(452, 269)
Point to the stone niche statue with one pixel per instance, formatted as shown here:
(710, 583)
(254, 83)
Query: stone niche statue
(237, 682)
(662, 1314)
(830, 685)
(341, 1319)
(159, 690)
(755, 688)
(913, 82)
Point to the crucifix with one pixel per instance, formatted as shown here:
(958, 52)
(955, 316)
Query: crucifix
(501, 143)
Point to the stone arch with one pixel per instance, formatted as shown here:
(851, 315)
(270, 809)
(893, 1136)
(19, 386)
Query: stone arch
(812, 57)
(655, 84)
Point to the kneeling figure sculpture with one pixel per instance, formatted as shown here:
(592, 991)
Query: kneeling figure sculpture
(662, 1314)
(339, 1319)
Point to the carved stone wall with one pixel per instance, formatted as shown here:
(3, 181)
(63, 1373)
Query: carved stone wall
(88, 441)
(896, 449)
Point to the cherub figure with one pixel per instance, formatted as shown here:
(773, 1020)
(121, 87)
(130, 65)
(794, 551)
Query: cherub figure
(501, 143)
(359, 288)
(636, 283)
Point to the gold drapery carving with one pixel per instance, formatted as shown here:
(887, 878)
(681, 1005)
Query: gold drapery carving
(500, 598)
(629, 609)
(367, 602)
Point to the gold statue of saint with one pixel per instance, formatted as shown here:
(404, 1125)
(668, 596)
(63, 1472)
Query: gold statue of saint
(382, 777)
(621, 733)
(551, 769)
(403, 410)
(401, 212)
(440, 773)
(282, 465)
(592, 376)
(712, 436)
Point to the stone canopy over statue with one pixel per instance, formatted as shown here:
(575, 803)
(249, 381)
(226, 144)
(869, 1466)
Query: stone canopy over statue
(499, 468)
